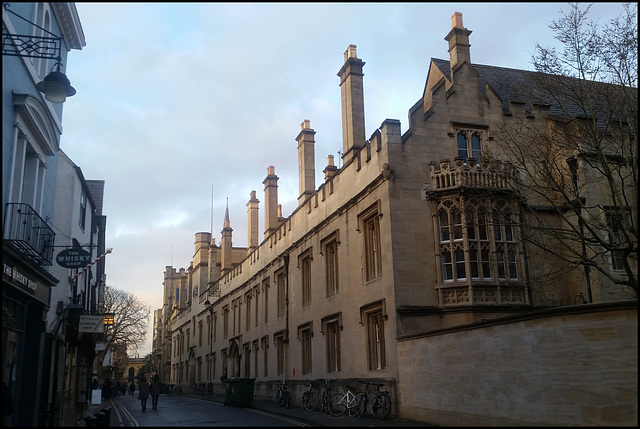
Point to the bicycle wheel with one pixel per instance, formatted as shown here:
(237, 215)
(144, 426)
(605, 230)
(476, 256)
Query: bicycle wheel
(362, 407)
(337, 407)
(382, 406)
(353, 407)
(310, 401)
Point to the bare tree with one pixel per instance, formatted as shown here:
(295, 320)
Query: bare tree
(131, 319)
(576, 151)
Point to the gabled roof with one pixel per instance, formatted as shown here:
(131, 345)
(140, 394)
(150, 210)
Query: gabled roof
(527, 87)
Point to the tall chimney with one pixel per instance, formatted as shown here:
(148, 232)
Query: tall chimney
(306, 161)
(352, 95)
(271, 201)
(252, 216)
(458, 39)
(226, 245)
(214, 270)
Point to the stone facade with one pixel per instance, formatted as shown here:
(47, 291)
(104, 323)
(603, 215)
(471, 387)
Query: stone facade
(372, 258)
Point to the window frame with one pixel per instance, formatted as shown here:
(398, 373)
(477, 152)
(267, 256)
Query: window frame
(369, 222)
(331, 328)
(305, 336)
(474, 142)
(373, 318)
(304, 264)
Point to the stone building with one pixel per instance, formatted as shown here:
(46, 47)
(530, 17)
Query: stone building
(409, 239)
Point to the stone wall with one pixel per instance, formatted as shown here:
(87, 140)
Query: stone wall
(566, 366)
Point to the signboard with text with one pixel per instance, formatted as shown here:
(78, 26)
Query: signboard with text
(73, 258)
(91, 324)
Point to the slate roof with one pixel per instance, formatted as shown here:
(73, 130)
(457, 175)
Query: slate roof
(524, 86)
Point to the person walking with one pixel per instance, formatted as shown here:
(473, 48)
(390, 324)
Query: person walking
(132, 388)
(143, 392)
(155, 389)
(106, 389)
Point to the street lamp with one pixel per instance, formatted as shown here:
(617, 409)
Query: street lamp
(55, 86)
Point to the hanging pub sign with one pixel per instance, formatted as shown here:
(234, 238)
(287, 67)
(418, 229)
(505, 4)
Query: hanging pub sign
(108, 318)
(73, 258)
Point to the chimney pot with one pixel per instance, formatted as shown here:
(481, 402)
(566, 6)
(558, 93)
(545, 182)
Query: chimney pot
(456, 20)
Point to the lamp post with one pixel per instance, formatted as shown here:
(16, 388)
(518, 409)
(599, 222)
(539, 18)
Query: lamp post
(55, 86)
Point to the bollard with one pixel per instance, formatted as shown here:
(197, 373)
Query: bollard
(90, 421)
(100, 419)
(107, 419)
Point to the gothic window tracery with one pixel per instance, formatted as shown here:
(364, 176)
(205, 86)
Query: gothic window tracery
(477, 242)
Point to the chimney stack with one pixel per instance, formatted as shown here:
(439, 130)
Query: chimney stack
(306, 161)
(352, 95)
(252, 216)
(271, 201)
(458, 38)
(330, 170)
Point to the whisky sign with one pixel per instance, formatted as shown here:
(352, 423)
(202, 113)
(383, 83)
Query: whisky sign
(73, 258)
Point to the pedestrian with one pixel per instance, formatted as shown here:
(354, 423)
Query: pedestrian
(132, 388)
(123, 386)
(116, 388)
(106, 389)
(155, 389)
(95, 384)
(223, 377)
(143, 391)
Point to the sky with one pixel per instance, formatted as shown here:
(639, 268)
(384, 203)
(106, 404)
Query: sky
(182, 107)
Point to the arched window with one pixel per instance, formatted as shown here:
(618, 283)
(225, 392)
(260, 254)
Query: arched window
(476, 146)
(463, 148)
(469, 144)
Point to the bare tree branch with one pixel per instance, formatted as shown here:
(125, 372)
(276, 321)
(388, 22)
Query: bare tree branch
(131, 319)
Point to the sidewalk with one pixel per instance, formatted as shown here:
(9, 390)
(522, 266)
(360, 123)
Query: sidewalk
(313, 418)
(93, 409)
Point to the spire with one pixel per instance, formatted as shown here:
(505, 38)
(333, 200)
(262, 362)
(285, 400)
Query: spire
(226, 244)
(227, 223)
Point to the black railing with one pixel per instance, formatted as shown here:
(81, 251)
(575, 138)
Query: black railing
(26, 230)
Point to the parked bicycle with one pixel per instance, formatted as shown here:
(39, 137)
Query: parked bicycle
(282, 395)
(326, 395)
(309, 397)
(380, 401)
(200, 388)
(340, 403)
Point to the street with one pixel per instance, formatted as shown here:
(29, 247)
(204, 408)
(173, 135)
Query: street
(192, 411)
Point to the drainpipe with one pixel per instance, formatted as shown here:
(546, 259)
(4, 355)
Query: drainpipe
(285, 258)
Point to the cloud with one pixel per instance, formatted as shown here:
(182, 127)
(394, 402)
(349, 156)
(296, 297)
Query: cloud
(174, 98)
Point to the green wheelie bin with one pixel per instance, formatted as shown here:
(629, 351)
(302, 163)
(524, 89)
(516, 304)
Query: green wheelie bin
(239, 392)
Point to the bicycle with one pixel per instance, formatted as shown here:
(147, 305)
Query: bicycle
(348, 402)
(326, 395)
(282, 396)
(309, 397)
(381, 405)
